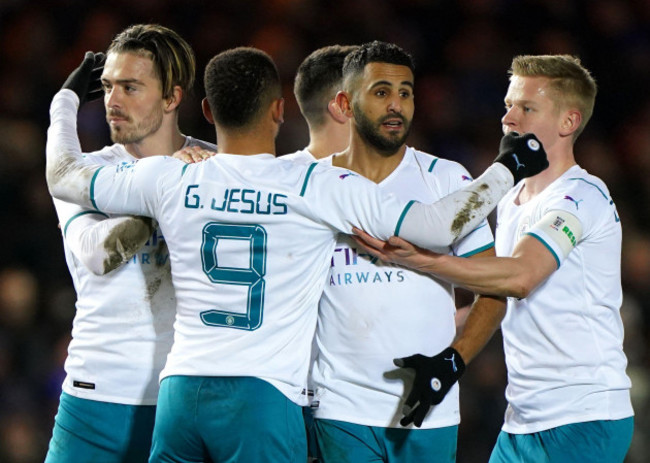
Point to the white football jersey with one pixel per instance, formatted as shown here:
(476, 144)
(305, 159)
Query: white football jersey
(301, 156)
(250, 241)
(122, 329)
(372, 312)
(564, 342)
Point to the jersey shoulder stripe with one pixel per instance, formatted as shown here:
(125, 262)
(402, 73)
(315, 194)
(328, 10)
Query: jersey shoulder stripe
(92, 188)
(309, 171)
(65, 228)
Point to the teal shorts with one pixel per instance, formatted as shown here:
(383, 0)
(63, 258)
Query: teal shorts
(605, 441)
(89, 431)
(342, 442)
(226, 420)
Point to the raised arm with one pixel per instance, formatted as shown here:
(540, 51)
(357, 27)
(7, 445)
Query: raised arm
(68, 175)
(438, 225)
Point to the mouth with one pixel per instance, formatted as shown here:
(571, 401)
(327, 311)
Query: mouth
(115, 118)
(393, 124)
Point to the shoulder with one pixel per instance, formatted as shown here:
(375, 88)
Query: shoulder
(584, 195)
(302, 156)
(580, 188)
(191, 141)
(581, 180)
(113, 154)
(436, 165)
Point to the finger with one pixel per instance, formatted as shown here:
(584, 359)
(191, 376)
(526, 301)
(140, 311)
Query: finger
(88, 56)
(412, 401)
(100, 59)
(369, 240)
(186, 158)
(419, 414)
(370, 250)
(400, 243)
(407, 362)
(407, 418)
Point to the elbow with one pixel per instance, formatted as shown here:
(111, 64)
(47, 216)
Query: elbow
(97, 268)
(520, 288)
(54, 183)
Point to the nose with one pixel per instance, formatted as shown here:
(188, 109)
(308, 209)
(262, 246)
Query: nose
(508, 119)
(111, 98)
(395, 104)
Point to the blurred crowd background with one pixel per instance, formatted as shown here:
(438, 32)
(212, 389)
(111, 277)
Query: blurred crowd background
(462, 51)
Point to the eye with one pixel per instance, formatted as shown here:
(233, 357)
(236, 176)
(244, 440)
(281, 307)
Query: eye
(381, 93)
(405, 94)
(106, 87)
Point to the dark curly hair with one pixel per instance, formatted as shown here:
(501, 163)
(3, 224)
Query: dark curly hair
(239, 83)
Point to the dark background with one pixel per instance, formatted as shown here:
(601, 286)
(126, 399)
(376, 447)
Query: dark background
(462, 51)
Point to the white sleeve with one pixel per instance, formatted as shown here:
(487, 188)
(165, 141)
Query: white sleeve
(68, 173)
(560, 231)
(440, 224)
(103, 244)
(344, 199)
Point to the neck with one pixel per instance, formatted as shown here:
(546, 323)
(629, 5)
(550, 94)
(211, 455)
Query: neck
(559, 163)
(328, 139)
(245, 142)
(165, 141)
(368, 161)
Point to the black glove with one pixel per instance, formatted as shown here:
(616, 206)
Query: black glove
(86, 81)
(434, 376)
(523, 155)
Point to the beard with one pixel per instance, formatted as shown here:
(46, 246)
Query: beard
(134, 133)
(370, 132)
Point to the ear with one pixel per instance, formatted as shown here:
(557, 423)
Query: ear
(277, 110)
(336, 112)
(207, 112)
(570, 122)
(172, 102)
(344, 101)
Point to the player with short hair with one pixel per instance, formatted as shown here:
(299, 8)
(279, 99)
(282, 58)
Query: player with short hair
(372, 312)
(250, 240)
(318, 80)
(122, 330)
(560, 235)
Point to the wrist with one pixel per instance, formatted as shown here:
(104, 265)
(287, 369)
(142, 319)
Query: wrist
(452, 355)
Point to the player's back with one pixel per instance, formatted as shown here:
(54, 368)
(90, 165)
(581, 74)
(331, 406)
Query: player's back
(250, 241)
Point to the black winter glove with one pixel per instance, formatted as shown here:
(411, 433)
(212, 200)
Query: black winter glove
(85, 81)
(434, 376)
(523, 155)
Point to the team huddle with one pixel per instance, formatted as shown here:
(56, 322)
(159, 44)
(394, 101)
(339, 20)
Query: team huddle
(300, 307)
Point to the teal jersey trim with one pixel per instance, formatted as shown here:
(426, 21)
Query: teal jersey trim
(304, 184)
(65, 229)
(184, 168)
(557, 260)
(476, 251)
(401, 217)
(433, 164)
(593, 185)
(92, 188)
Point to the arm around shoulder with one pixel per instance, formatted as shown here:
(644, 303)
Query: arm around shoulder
(104, 244)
